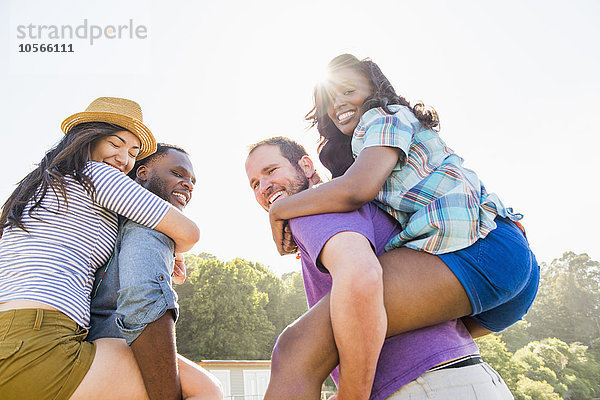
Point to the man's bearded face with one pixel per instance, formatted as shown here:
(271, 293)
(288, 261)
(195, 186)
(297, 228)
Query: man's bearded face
(272, 176)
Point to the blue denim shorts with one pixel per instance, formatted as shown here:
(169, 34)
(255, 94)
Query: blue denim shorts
(500, 275)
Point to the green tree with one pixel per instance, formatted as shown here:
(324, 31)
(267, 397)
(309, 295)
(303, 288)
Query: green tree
(582, 374)
(294, 303)
(222, 313)
(517, 335)
(528, 389)
(545, 369)
(274, 289)
(494, 352)
(236, 309)
(544, 361)
(568, 301)
(568, 369)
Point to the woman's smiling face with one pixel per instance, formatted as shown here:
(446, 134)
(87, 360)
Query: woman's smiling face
(118, 150)
(349, 89)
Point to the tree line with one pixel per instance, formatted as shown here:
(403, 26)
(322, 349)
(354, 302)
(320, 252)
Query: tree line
(236, 310)
(554, 352)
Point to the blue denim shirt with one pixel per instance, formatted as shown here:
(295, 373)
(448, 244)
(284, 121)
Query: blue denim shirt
(134, 288)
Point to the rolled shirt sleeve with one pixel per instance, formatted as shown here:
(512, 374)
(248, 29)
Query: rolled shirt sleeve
(146, 261)
(378, 128)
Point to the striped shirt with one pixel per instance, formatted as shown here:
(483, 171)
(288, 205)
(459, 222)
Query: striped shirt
(55, 260)
(441, 205)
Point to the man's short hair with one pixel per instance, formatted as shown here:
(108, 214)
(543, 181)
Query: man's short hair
(161, 150)
(289, 148)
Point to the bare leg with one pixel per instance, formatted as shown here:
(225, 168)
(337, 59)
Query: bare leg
(196, 382)
(474, 328)
(114, 374)
(419, 291)
(303, 356)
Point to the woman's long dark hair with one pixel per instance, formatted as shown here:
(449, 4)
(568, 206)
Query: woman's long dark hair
(334, 149)
(68, 157)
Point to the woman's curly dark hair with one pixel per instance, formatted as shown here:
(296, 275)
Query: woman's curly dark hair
(334, 148)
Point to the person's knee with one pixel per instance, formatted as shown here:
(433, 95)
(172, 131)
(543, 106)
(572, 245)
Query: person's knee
(213, 391)
(285, 368)
(287, 347)
(198, 383)
(208, 388)
(303, 356)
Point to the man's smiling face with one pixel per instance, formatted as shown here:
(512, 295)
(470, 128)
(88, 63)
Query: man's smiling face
(272, 176)
(171, 177)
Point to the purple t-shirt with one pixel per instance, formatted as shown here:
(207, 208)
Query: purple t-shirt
(403, 357)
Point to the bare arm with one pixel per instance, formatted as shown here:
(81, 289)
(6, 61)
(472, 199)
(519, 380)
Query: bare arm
(156, 355)
(358, 186)
(349, 192)
(181, 229)
(358, 314)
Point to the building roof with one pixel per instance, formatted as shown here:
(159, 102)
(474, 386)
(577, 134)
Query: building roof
(234, 362)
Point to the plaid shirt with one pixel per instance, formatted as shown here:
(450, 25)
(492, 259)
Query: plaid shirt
(441, 205)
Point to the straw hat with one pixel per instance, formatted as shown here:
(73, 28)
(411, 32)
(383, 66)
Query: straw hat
(122, 112)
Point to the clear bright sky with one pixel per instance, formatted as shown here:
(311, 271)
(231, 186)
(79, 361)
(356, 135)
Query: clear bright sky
(516, 84)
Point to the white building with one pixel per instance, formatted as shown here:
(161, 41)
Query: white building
(241, 379)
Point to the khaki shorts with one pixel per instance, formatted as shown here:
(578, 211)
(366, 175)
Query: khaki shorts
(474, 382)
(43, 354)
